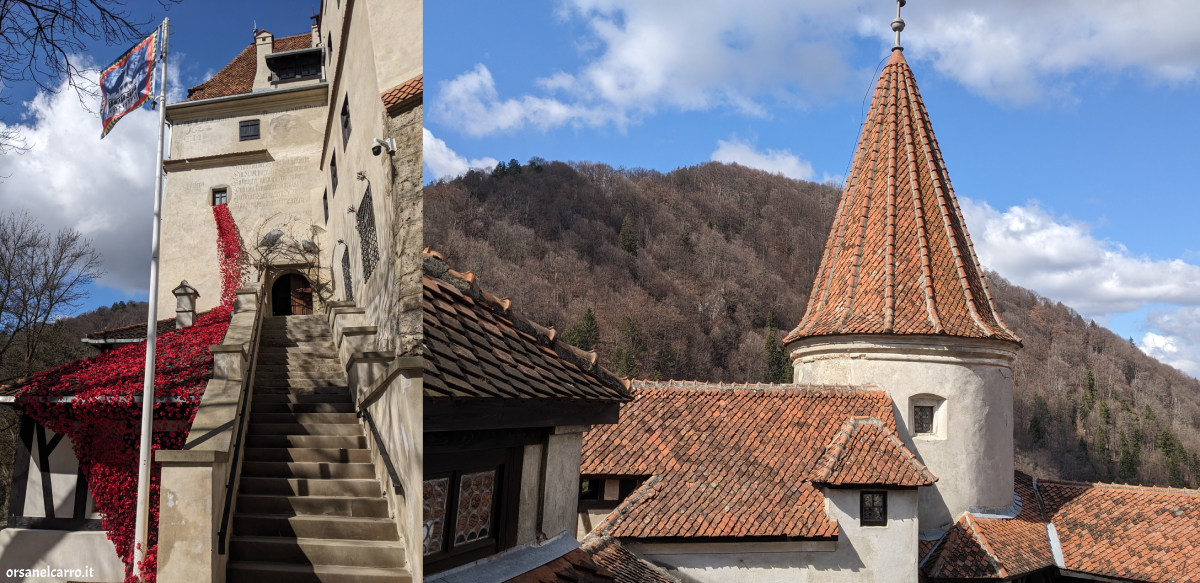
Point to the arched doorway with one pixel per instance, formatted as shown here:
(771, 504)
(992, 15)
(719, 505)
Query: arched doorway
(291, 296)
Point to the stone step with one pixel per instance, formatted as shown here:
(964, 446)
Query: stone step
(309, 470)
(307, 441)
(321, 350)
(287, 375)
(354, 488)
(345, 407)
(263, 572)
(326, 527)
(322, 398)
(300, 383)
(299, 367)
(293, 429)
(257, 416)
(331, 390)
(308, 454)
(313, 506)
(313, 551)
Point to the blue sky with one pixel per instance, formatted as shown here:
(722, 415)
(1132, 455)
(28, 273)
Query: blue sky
(1067, 127)
(105, 188)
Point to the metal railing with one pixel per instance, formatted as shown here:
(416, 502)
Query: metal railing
(387, 460)
(231, 482)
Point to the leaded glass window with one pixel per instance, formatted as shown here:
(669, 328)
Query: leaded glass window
(367, 240)
(474, 517)
(874, 509)
(347, 281)
(433, 501)
(923, 419)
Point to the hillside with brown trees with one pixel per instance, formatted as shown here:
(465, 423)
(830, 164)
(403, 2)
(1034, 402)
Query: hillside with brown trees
(695, 274)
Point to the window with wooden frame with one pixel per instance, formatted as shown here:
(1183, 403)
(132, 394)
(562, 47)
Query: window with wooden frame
(345, 121)
(873, 509)
(220, 196)
(248, 130)
(470, 502)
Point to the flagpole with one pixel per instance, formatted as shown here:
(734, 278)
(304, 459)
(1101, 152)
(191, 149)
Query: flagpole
(141, 531)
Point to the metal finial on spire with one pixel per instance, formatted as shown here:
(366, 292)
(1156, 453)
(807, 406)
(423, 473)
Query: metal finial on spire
(898, 24)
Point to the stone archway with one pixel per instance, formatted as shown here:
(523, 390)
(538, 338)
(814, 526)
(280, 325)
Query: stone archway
(291, 295)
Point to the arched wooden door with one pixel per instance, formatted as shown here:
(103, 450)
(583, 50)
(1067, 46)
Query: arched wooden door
(291, 296)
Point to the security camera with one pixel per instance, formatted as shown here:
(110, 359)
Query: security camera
(380, 144)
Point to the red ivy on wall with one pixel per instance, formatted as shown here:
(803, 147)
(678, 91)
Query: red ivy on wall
(93, 402)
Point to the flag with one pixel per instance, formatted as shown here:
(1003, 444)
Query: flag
(127, 83)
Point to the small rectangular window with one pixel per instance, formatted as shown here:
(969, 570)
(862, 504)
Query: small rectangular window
(325, 203)
(329, 48)
(923, 419)
(333, 173)
(220, 196)
(248, 130)
(590, 489)
(345, 121)
(873, 509)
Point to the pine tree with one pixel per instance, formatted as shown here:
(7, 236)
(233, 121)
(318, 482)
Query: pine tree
(1037, 423)
(583, 334)
(775, 356)
(1089, 392)
(628, 237)
(629, 350)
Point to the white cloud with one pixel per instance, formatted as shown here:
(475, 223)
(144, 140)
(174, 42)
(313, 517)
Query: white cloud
(443, 162)
(1179, 343)
(101, 188)
(775, 161)
(642, 56)
(1062, 260)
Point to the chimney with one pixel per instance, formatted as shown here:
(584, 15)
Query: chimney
(185, 305)
(265, 43)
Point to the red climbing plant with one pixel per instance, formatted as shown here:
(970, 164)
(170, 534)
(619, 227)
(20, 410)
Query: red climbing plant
(96, 403)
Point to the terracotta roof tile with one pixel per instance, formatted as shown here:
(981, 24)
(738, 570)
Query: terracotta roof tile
(610, 554)
(898, 259)
(237, 77)
(577, 566)
(724, 460)
(476, 347)
(1128, 532)
(864, 452)
(406, 92)
(131, 332)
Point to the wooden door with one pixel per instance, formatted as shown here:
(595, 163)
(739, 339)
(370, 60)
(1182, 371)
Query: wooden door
(301, 294)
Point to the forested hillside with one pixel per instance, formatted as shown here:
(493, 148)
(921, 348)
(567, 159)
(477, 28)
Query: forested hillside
(695, 274)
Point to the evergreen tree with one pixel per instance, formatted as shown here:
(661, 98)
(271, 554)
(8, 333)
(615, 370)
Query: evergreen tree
(1037, 423)
(775, 356)
(1089, 392)
(514, 167)
(628, 237)
(629, 350)
(1130, 457)
(585, 333)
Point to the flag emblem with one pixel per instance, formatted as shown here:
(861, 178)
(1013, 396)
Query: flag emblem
(127, 83)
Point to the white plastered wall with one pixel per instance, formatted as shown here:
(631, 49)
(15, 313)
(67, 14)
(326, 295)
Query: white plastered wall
(877, 554)
(970, 380)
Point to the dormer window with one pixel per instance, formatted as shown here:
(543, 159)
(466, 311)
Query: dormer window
(298, 64)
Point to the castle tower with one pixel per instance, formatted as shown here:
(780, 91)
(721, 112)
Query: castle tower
(900, 302)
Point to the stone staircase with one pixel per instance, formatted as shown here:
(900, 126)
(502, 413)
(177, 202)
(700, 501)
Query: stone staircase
(309, 507)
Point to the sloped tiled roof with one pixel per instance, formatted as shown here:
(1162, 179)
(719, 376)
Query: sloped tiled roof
(864, 452)
(131, 332)
(477, 347)
(403, 92)
(237, 77)
(1129, 532)
(898, 259)
(724, 460)
(576, 566)
(627, 567)
(990, 548)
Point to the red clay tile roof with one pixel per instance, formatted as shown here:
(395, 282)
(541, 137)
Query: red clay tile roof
(576, 566)
(724, 460)
(237, 77)
(628, 568)
(403, 92)
(1145, 534)
(864, 452)
(476, 346)
(978, 547)
(131, 332)
(898, 259)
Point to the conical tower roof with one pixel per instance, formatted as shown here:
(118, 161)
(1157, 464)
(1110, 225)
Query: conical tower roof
(898, 259)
